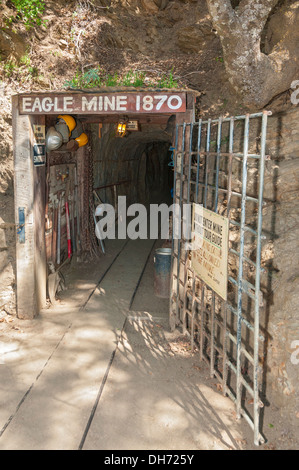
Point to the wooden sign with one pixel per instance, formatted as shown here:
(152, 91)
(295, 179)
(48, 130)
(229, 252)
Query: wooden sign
(102, 103)
(209, 256)
(39, 145)
(133, 126)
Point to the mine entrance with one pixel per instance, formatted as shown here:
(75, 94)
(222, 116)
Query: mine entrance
(113, 144)
(147, 147)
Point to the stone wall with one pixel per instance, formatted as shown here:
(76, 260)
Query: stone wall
(7, 229)
(279, 314)
(281, 219)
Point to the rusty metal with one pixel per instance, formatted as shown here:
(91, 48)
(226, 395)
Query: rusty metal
(112, 184)
(89, 242)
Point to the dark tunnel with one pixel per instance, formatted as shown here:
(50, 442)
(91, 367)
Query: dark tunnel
(139, 165)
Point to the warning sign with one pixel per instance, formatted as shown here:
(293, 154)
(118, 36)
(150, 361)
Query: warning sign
(210, 248)
(39, 145)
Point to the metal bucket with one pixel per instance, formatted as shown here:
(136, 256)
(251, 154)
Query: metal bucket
(162, 264)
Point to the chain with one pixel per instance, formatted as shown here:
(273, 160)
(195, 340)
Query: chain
(92, 246)
(86, 239)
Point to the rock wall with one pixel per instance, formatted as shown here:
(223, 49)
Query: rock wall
(7, 228)
(282, 282)
(279, 318)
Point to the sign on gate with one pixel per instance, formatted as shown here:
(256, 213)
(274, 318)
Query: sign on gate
(210, 257)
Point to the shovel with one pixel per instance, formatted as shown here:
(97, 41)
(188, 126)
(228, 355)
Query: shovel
(55, 282)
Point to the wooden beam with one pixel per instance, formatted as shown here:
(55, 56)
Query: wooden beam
(27, 306)
(39, 203)
(145, 102)
(110, 119)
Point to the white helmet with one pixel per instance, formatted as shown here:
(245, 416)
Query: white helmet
(53, 139)
(63, 129)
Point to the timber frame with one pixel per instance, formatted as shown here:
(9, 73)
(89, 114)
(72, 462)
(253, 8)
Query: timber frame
(30, 110)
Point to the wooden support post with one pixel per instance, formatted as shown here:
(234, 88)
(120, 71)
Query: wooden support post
(27, 305)
(29, 184)
(39, 203)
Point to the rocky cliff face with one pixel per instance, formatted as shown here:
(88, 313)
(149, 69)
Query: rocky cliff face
(282, 280)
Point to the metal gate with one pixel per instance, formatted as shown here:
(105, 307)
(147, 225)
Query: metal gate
(220, 165)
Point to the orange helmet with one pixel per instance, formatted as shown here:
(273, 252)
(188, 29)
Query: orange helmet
(82, 139)
(70, 122)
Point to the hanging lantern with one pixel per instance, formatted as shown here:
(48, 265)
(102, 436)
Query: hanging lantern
(121, 128)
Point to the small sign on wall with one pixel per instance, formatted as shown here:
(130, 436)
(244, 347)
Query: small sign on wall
(39, 145)
(209, 257)
(133, 126)
(39, 154)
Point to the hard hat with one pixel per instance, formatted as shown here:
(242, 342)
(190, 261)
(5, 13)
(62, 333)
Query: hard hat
(82, 139)
(69, 120)
(53, 139)
(78, 130)
(63, 129)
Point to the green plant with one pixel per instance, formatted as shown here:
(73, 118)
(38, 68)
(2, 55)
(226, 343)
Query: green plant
(95, 78)
(135, 79)
(33, 71)
(127, 80)
(139, 79)
(73, 83)
(168, 81)
(89, 79)
(25, 60)
(111, 80)
(9, 67)
(56, 53)
(30, 11)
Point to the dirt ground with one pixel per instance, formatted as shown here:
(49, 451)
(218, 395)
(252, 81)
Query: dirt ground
(156, 385)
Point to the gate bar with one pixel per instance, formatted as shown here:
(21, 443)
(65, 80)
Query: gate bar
(258, 277)
(240, 273)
